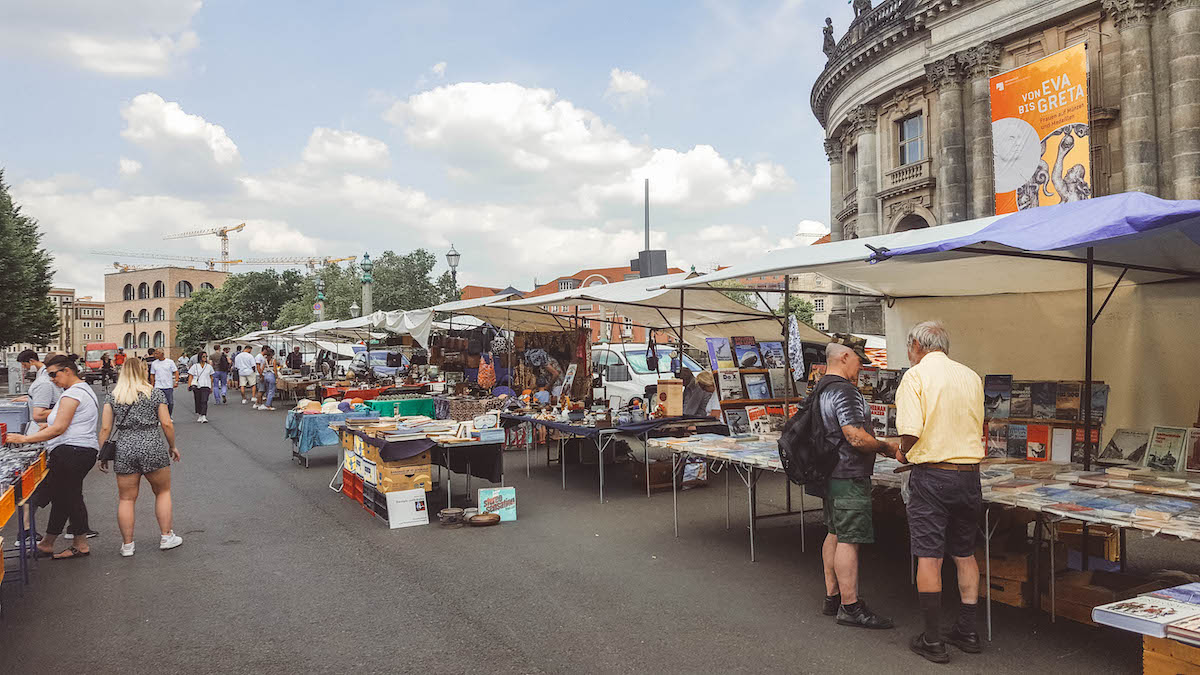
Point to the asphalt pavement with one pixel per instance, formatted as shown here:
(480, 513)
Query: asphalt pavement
(278, 574)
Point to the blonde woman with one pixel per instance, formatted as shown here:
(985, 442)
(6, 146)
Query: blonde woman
(145, 439)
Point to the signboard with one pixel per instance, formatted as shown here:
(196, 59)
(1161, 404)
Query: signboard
(407, 508)
(1040, 132)
(265, 325)
(501, 500)
(317, 306)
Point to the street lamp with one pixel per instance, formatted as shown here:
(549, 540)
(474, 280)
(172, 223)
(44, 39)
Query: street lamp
(368, 301)
(452, 258)
(320, 307)
(355, 310)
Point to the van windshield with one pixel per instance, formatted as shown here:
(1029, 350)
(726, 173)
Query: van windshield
(637, 361)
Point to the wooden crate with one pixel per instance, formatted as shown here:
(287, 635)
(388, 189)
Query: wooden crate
(1103, 540)
(1015, 565)
(1161, 656)
(1006, 591)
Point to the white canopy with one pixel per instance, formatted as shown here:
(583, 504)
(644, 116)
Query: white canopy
(458, 306)
(416, 323)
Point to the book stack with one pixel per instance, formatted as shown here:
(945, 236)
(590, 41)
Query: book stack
(1170, 612)
(1040, 421)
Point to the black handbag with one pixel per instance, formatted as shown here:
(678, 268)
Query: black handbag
(108, 452)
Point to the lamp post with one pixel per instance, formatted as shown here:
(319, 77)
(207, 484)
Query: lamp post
(320, 304)
(355, 310)
(368, 304)
(452, 258)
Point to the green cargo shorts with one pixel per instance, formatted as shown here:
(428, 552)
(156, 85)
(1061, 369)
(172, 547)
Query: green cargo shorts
(848, 510)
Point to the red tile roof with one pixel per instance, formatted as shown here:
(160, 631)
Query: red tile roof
(609, 274)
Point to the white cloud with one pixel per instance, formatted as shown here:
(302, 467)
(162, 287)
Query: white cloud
(164, 128)
(128, 167)
(131, 38)
(344, 148)
(626, 87)
(439, 69)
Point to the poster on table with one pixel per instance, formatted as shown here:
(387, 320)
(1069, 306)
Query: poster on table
(1040, 132)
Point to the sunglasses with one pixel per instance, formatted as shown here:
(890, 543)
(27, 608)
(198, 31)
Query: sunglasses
(54, 373)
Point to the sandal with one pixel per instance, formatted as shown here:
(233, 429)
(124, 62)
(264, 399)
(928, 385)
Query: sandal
(70, 554)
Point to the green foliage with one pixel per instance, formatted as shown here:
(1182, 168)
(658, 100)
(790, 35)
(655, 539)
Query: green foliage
(237, 307)
(744, 297)
(25, 278)
(801, 307)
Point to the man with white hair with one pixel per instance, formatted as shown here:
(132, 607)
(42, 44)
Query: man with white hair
(846, 427)
(939, 414)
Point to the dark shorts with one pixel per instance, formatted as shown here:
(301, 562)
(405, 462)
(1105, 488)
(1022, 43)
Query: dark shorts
(848, 510)
(943, 512)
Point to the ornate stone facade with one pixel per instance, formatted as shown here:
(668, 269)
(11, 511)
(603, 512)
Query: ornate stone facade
(905, 102)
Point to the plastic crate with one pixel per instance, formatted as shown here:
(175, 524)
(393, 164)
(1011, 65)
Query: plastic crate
(8, 504)
(32, 476)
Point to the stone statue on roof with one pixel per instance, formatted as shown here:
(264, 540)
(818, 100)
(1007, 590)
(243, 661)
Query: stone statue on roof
(861, 7)
(830, 45)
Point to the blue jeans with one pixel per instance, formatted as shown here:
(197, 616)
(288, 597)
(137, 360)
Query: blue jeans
(170, 394)
(269, 383)
(220, 385)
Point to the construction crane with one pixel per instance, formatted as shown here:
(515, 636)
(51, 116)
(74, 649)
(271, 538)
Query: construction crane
(310, 262)
(121, 267)
(222, 232)
(211, 263)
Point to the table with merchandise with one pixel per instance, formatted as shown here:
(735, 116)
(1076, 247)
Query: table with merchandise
(22, 470)
(308, 430)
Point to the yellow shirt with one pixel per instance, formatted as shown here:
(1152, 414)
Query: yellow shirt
(940, 401)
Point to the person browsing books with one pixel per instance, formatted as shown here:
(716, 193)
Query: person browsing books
(700, 394)
(846, 423)
(939, 414)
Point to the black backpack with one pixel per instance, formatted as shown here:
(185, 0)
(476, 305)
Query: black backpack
(807, 459)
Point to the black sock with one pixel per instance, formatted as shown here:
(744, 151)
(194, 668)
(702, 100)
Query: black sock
(966, 618)
(931, 609)
(835, 596)
(852, 606)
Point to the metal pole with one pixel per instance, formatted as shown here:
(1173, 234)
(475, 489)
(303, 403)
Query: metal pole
(674, 492)
(1087, 391)
(680, 330)
(750, 497)
(647, 218)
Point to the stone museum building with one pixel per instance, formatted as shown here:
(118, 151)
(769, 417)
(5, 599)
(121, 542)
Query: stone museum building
(140, 305)
(905, 103)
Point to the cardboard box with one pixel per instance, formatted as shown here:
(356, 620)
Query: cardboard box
(416, 460)
(670, 396)
(1006, 591)
(407, 508)
(405, 478)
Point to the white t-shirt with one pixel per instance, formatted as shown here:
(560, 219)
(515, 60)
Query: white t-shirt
(164, 373)
(260, 360)
(244, 363)
(82, 430)
(203, 375)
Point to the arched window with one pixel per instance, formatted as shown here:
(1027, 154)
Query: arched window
(183, 289)
(160, 289)
(129, 341)
(143, 291)
(160, 340)
(143, 341)
(129, 316)
(160, 314)
(144, 315)
(128, 293)
(207, 286)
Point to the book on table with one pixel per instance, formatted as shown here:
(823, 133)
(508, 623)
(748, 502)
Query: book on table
(1185, 630)
(1127, 446)
(772, 354)
(1166, 448)
(1016, 441)
(729, 383)
(1193, 450)
(738, 421)
(779, 383)
(997, 396)
(1037, 442)
(1144, 614)
(1044, 397)
(760, 423)
(997, 439)
(756, 385)
(868, 381)
(878, 419)
(889, 382)
(1077, 446)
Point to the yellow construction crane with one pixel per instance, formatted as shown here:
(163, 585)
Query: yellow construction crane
(222, 232)
(310, 262)
(211, 263)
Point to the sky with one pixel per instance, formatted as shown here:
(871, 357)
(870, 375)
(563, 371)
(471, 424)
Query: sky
(518, 132)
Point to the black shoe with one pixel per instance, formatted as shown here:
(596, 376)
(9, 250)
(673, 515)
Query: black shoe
(932, 652)
(968, 642)
(861, 617)
(832, 602)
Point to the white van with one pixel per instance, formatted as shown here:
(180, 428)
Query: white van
(625, 374)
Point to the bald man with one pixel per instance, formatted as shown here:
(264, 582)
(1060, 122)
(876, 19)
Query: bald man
(846, 419)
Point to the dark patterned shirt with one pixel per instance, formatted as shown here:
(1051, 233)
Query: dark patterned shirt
(843, 406)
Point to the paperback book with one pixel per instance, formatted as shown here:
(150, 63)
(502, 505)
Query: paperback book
(756, 385)
(1099, 403)
(892, 431)
(879, 419)
(1193, 450)
(1060, 445)
(778, 377)
(772, 354)
(1021, 404)
(889, 382)
(1165, 452)
(1066, 407)
(997, 396)
(1127, 446)
(729, 383)
(1043, 395)
(1077, 447)
(720, 354)
(1144, 614)
(745, 352)
(738, 421)
(868, 381)
(1037, 442)
(1016, 441)
(997, 439)
(759, 422)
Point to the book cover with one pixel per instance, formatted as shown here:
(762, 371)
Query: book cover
(1193, 450)
(879, 419)
(868, 381)
(1187, 593)
(729, 383)
(1043, 395)
(756, 385)
(814, 376)
(738, 421)
(1144, 614)
(779, 385)
(997, 396)
(1127, 446)
(1165, 451)
(1016, 441)
(775, 415)
(1099, 403)
(1037, 442)
(892, 431)
(997, 439)
(772, 354)
(720, 354)
(501, 500)
(745, 352)
(759, 422)
(1020, 405)
(1077, 445)
(1066, 401)
(889, 382)
(1060, 445)
(1185, 630)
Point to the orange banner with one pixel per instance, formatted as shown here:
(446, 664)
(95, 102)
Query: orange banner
(1040, 129)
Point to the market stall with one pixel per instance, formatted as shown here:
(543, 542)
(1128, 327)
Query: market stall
(308, 430)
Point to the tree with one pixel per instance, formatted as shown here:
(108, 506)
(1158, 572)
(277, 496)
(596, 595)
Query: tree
(744, 297)
(801, 307)
(239, 306)
(25, 278)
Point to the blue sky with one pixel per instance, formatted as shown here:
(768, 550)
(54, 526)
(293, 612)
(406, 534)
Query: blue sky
(520, 132)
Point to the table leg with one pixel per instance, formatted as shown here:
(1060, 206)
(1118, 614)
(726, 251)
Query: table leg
(22, 543)
(561, 464)
(1124, 554)
(1037, 550)
(526, 453)
(449, 474)
(600, 449)
(468, 481)
(801, 519)
(788, 496)
(646, 456)
(1053, 536)
(674, 494)
(727, 469)
(750, 494)
(987, 564)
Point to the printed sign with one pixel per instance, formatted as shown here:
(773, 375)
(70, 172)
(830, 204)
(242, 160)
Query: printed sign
(407, 508)
(1040, 132)
(502, 500)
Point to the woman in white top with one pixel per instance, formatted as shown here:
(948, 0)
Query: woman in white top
(200, 381)
(71, 437)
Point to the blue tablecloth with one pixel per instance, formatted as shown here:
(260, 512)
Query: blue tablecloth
(310, 431)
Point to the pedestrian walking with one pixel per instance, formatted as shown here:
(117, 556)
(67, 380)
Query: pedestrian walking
(221, 365)
(939, 412)
(260, 389)
(137, 413)
(71, 437)
(164, 375)
(247, 372)
(200, 381)
(270, 373)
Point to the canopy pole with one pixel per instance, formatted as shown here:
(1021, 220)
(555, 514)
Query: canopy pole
(512, 347)
(681, 291)
(1087, 365)
(787, 352)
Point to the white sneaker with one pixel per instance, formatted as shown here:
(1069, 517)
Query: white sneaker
(266, 407)
(243, 401)
(127, 549)
(199, 419)
(169, 541)
(204, 419)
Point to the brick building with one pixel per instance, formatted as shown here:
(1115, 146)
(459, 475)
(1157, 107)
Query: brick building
(596, 317)
(80, 321)
(140, 306)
